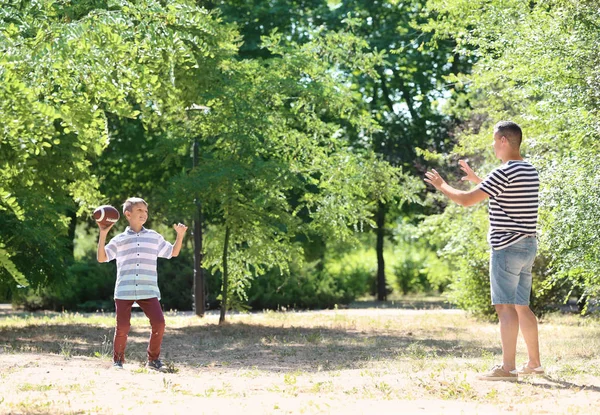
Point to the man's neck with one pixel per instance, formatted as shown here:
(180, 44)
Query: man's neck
(512, 157)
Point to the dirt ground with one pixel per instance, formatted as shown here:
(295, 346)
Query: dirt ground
(348, 361)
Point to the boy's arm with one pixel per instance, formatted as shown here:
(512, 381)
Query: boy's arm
(180, 228)
(461, 197)
(101, 252)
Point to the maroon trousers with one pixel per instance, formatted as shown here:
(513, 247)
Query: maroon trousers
(153, 311)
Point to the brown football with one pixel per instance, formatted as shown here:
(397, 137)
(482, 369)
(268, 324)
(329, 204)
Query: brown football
(106, 215)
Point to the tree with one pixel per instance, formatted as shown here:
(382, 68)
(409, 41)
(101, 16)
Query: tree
(66, 70)
(404, 97)
(538, 64)
(272, 133)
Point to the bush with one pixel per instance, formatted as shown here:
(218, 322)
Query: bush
(89, 286)
(309, 287)
(176, 283)
(461, 235)
(417, 269)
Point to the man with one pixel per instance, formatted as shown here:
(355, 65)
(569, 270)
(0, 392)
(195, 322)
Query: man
(513, 191)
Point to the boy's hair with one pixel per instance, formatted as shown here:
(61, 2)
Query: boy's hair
(132, 201)
(511, 131)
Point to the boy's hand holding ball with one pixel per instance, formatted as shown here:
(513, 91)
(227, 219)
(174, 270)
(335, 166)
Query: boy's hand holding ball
(106, 216)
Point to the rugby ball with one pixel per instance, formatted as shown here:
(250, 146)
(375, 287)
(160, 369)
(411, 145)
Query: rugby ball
(106, 215)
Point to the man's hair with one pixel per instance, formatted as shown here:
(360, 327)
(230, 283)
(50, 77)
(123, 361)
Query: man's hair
(132, 201)
(511, 131)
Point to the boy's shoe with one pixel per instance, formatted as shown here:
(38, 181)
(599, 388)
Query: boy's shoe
(118, 365)
(156, 365)
(498, 373)
(528, 371)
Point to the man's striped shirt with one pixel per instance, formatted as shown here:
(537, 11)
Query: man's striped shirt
(513, 208)
(136, 255)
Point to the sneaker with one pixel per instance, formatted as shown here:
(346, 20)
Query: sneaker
(528, 371)
(118, 365)
(156, 365)
(498, 373)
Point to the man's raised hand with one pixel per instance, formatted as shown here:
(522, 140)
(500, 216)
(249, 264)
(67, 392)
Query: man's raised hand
(470, 174)
(434, 179)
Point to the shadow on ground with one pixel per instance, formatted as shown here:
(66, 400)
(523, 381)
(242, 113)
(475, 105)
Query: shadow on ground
(406, 303)
(241, 345)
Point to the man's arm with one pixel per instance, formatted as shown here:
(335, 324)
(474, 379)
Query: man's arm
(464, 198)
(180, 228)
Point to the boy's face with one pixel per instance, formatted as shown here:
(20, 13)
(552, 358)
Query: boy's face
(138, 214)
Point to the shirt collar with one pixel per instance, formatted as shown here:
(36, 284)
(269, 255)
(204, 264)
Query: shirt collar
(129, 231)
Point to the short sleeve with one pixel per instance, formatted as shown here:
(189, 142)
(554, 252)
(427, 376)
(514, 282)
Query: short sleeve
(495, 183)
(165, 249)
(111, 250)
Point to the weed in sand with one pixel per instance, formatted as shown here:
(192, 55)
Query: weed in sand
(492, 396)
(252, 373)
(169, 386)
(66, 347)
(35, 407)
(385, 389)
(290, 379)
(314, 337)
(322, 387)
(287, 352)
(368, 373)
(354, 391)
(141, 369)
(568, 370)
(269, 340)
(453, 388)
(33, 387)
(106, 349)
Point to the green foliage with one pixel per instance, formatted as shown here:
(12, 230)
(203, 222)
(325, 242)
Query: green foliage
(87, 286)
(306, 287)
(402, 92)
(274, 161)
(460, 236)
(538, 64)
(571, 215)
(65, 70)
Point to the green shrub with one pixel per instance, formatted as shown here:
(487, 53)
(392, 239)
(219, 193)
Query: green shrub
(461, 237)
(89, 286)
(176, 283)
(309, 287)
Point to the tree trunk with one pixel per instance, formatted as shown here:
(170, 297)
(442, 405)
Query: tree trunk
(225, 278)
(72, 214)
(381, 286)
(199, 282)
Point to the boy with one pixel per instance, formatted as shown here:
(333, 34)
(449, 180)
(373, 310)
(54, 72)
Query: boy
(136, 251)
(513, 191)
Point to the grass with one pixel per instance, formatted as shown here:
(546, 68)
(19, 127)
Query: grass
(292, 362)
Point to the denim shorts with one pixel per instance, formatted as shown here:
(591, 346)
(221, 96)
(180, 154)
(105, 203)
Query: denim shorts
(510, 272)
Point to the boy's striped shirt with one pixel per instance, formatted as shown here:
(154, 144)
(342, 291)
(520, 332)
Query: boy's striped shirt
(513, 208)
(136, 255)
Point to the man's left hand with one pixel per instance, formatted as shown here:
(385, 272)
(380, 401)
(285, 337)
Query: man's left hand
(434, 179)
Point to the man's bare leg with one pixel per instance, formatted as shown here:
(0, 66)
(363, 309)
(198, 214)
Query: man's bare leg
(529, 327)
(509, 330)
